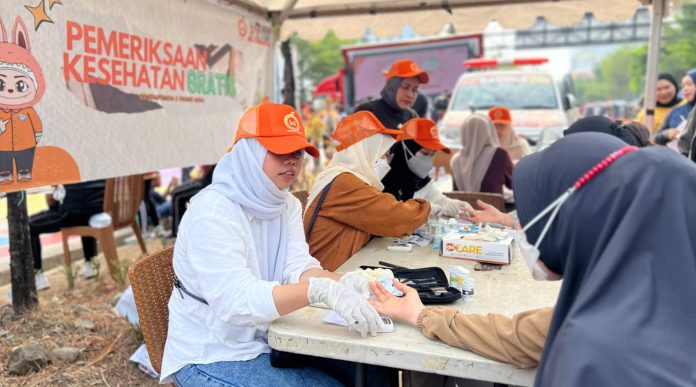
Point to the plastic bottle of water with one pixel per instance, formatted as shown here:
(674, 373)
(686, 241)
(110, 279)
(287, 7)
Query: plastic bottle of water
(100, 220)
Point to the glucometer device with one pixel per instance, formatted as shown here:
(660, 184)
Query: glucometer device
(335, 318)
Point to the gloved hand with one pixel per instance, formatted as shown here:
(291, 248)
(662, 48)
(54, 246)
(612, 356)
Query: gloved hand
(435, 211)
(450, 208)
(356, 281)
(358, 313)
(459, 209)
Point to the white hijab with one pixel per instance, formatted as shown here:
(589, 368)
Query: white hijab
(357, 159)
(479, 142)
(239, 176)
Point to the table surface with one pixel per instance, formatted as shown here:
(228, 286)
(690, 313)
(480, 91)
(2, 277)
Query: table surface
(506, 291)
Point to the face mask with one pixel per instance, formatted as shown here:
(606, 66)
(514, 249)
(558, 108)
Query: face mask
(531, 253)
(419, 165)
(381, 168)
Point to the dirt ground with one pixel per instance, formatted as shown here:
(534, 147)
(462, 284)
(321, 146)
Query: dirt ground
(107, 347)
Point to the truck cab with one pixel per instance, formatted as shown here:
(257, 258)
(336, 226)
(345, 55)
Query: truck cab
(540, 109)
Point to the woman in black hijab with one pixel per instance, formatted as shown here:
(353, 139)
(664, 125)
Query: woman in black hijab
(398, 95)
(626, 314)
(666, 98)
(602, 124)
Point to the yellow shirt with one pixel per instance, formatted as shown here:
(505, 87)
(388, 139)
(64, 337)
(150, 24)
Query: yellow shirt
(660, 115)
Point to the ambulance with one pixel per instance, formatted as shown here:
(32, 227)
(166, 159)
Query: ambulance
(541, 106)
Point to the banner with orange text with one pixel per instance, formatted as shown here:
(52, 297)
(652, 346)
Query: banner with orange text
(92, 89)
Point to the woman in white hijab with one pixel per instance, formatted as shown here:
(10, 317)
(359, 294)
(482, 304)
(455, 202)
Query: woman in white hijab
(354, 208)
(517, 147)
(481, 165)
(241, 261)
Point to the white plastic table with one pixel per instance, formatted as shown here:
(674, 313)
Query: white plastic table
(506, 291)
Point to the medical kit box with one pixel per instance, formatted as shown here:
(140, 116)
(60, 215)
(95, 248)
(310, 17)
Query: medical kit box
(490, 248)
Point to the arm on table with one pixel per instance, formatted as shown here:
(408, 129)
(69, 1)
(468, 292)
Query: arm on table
(517, 340)
(353, 202)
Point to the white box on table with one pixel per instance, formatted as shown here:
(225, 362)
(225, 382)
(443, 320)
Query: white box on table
(454, 246)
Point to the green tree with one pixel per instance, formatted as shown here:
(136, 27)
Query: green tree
(679, 46)
(320, 58)
(621, 74)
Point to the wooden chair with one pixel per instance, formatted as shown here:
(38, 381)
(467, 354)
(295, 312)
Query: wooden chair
(152, 279)
(494, 199)
(302, 196)
(122, 197)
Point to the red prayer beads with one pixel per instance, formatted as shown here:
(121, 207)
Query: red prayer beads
(602, 165)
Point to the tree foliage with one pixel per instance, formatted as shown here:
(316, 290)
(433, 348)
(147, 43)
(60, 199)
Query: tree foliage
(320, 58)
(621, 74)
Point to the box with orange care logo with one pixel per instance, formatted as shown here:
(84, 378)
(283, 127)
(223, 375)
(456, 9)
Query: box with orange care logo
(490, 248)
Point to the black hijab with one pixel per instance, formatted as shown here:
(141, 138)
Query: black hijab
(421, 105)
(624, 243)
(604, 125)
(386, 109)
(400, 181)
(675, 100)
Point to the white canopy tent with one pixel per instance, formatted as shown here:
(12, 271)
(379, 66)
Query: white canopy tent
(311, 19)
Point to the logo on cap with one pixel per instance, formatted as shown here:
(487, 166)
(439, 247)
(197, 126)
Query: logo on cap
(498, 114)
(291, 123)
(414, 67)
(433, 131)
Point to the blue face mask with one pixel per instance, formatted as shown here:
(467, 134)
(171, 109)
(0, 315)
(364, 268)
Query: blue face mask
(419, 165)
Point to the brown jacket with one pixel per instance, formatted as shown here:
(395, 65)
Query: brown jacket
(351, 213)
(518, 340)
(21, 126)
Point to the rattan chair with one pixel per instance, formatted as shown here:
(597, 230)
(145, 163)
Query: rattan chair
(302, 196)
(494, 199)
(152, 279)
(122, 197)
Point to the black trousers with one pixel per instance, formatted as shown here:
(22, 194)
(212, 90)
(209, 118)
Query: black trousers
(51, 221)
(150, 207)
(24, 160)
(180, 197)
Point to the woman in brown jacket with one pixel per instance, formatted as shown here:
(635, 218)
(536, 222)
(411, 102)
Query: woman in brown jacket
(354, 208)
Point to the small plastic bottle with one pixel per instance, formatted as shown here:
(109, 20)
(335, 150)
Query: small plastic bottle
(100, 220)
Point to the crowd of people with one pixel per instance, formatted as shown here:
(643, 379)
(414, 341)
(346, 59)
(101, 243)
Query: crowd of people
(247, 255)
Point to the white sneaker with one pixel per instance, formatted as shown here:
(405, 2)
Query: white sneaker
(88, 270)
(41, 281)
(159, 231)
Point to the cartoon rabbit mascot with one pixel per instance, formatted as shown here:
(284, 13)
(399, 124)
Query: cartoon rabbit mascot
(22, 85)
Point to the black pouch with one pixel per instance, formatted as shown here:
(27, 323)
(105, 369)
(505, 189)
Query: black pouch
(431, 283)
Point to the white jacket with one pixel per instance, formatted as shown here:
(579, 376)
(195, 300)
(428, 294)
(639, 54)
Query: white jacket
(216, 257)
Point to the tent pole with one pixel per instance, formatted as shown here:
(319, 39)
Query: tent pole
(276, 24)
(658, 11)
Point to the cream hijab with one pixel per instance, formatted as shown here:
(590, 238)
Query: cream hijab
(515, 146)
(357, 159)
(479, 142)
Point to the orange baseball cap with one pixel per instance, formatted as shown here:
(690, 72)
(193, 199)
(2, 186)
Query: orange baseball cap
(277, 127)
(500, 115)
(424, 132)
(407, 69)
(359, 126)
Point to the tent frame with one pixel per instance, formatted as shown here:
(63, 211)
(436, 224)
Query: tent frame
(288, 11)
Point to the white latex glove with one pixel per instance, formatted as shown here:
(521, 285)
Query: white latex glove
(358, 282)
(435, 211)
(358, 313)
(452, 208)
